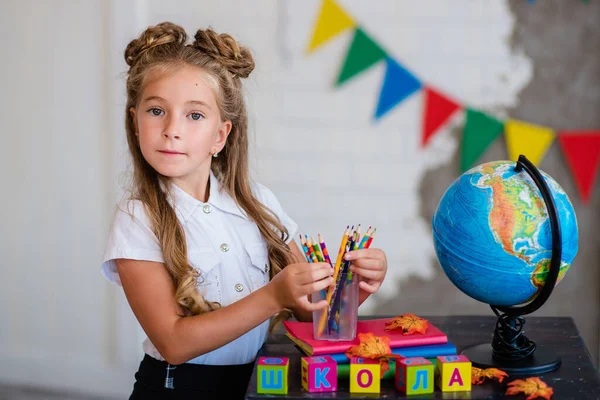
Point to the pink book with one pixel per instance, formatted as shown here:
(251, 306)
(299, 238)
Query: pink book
(302, 334)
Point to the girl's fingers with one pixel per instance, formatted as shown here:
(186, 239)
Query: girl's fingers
(368, 263)
(315, 306)
(313, 275)
(316, 286)
(375, 254)
(371, 288)
(356, 254)
(367, 273)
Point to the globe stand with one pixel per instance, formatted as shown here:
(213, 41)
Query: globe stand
(510, 350)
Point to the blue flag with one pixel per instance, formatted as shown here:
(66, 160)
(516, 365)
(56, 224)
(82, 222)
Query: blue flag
(397, 86)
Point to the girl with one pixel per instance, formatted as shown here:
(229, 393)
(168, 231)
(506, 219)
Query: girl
(205, 257)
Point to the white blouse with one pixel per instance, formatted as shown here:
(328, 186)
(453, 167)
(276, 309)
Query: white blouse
(223, 245)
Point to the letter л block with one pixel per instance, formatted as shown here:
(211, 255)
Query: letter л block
(453, 373)
(272, 375)
(319, 374)
(365, 375)
(414, 375)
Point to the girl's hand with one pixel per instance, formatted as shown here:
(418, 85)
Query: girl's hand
(371, 265)
(294, 283)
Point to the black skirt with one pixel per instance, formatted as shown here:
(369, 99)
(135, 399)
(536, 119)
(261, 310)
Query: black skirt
(160, 380)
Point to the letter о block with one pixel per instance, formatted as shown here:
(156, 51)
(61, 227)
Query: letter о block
(414, 375)
(453, 373)
(365, 375)
(272, 375)
(319, 374)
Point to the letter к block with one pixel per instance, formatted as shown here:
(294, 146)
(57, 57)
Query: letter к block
(319, 374)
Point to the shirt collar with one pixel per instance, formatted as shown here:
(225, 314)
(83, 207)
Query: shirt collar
(186, 204)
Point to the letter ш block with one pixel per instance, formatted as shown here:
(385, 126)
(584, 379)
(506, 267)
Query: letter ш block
(453, 373)
(272, 375)
(319, 374)
(365, 375)
(414, 375)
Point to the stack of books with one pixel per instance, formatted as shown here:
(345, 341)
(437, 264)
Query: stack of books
(429, 345)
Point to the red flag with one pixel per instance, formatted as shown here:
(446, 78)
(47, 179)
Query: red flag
(438, 109)
(582, 151)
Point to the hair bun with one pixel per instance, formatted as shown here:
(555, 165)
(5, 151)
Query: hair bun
(163, 33)
(225, 49)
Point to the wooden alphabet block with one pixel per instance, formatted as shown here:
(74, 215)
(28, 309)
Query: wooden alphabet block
(272, 375)
(414, 375)
(365, 375)
(453, 373)
(319, 374)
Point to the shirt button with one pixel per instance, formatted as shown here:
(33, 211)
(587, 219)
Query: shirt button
(224, 247)
(239, 287)
(207, 209)
(266, 267)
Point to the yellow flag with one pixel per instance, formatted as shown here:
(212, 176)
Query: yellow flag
(332, 21)
(530, 140)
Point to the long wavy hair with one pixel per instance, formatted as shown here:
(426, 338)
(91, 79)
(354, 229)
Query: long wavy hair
(162, 49)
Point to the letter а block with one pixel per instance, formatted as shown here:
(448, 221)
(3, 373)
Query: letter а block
(414, 375)
(272, 375)
(319, 374)
(365, 375)
(453, 373)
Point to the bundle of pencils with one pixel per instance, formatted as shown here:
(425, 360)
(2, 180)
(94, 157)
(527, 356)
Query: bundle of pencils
(317, 252)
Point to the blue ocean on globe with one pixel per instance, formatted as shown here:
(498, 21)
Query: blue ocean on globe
(492, 233)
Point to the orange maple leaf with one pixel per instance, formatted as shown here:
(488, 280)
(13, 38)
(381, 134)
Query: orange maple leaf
(533, 387)
(373, 347)
(409, 323)
(479, 375)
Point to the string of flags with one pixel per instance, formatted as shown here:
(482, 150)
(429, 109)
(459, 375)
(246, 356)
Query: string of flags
(581, 148)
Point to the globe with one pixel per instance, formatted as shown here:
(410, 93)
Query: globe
(492, 233)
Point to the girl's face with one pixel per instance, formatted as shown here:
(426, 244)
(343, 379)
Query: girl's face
(179, 126)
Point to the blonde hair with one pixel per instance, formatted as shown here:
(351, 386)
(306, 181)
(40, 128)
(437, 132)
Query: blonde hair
(162, 49)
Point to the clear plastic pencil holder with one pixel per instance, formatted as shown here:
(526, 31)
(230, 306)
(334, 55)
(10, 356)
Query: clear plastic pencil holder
(338, 320)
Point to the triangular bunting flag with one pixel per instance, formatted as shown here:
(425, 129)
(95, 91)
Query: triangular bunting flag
(530, 140)
(438, 109)
(582, 151)
(362, 54)
(332, 21)
(397, 85)
(480, 130)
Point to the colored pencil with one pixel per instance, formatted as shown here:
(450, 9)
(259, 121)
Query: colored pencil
(324, 249)
(365, 238)
(305, 249)
(311, 250)
(317, 249)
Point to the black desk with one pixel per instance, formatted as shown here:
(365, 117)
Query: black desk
(575, 379)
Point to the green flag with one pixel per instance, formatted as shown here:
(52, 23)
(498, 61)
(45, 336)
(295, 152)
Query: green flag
(362, 54)
(480, 130)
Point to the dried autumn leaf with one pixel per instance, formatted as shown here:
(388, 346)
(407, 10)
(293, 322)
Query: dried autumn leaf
(532, 387)
(373, 347)
(370, 346)
(409, 323)
(479, 375)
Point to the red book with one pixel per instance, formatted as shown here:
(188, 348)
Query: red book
(302, 334)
